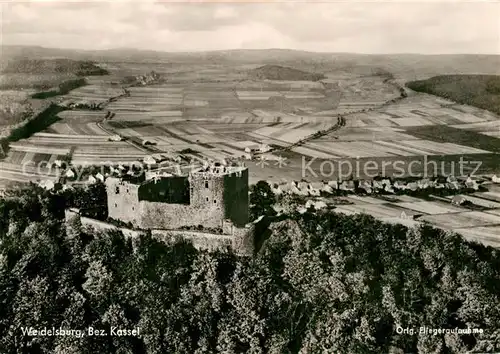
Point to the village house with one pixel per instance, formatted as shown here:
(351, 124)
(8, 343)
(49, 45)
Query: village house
(317, 204)
(377, 185)
(453, 185)
(150, 160)
(115, 138)
(69, 174)
(366, 186)
(294, 189)
(386, 182)
(148, 142)
(413, 186)
(400, 185)
(458, 200)
(277, 189)
(303, 187)
(333, 184)
(423, 183)
(347, 186)
(327, 189)
(388, 188)
(47, 184)
(315, 188)
(470, 183)
(405, 216)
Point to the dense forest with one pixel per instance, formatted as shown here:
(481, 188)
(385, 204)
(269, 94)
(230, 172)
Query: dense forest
(482, 91)
(62, 89)
(321, 283)
(53, 66)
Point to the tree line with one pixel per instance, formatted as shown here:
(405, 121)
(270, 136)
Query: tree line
(321, 283)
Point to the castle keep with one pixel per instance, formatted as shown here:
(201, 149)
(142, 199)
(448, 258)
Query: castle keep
(215, 197)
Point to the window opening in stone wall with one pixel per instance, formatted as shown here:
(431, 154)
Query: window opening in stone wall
(215, 201)
(206, 184)
(117, 190)
(207, 199)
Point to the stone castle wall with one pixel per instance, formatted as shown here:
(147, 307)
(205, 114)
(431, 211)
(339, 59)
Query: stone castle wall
(240, 240)
(200, 240)
(174, 216)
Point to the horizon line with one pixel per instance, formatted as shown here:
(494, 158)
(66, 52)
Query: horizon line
(236, 49)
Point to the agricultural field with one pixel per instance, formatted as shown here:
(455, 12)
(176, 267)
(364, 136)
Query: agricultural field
(216, 111)
(478, 226)
(91, 94)
(420, 125)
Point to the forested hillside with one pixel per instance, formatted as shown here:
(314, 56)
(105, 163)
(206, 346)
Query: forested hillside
(53, 66)
(322, 283)
(481, 91)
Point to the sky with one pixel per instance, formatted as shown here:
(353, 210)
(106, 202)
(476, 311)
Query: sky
(427, 27)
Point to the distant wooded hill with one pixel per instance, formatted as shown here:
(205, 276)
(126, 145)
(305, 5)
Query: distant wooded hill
(407, 66)
(277, 72)
(482, 91)
(53, 66)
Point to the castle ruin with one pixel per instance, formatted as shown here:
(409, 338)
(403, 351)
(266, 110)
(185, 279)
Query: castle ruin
(208, 197)
(211, 202)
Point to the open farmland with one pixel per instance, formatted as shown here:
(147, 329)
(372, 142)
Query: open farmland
(213, 120)
(420, 125)
(478, 226)
(216, 111)
(92, 94)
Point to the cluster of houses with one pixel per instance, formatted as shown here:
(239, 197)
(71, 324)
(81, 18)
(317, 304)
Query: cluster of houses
(147, 79)
(80, 104)
(257, 149)
(162, 164)
(374, 186)
(162, 157)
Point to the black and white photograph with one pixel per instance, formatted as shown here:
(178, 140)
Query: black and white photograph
(227, 176)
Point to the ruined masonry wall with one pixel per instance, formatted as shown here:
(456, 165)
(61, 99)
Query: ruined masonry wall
(174, 216)
(90, 224)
